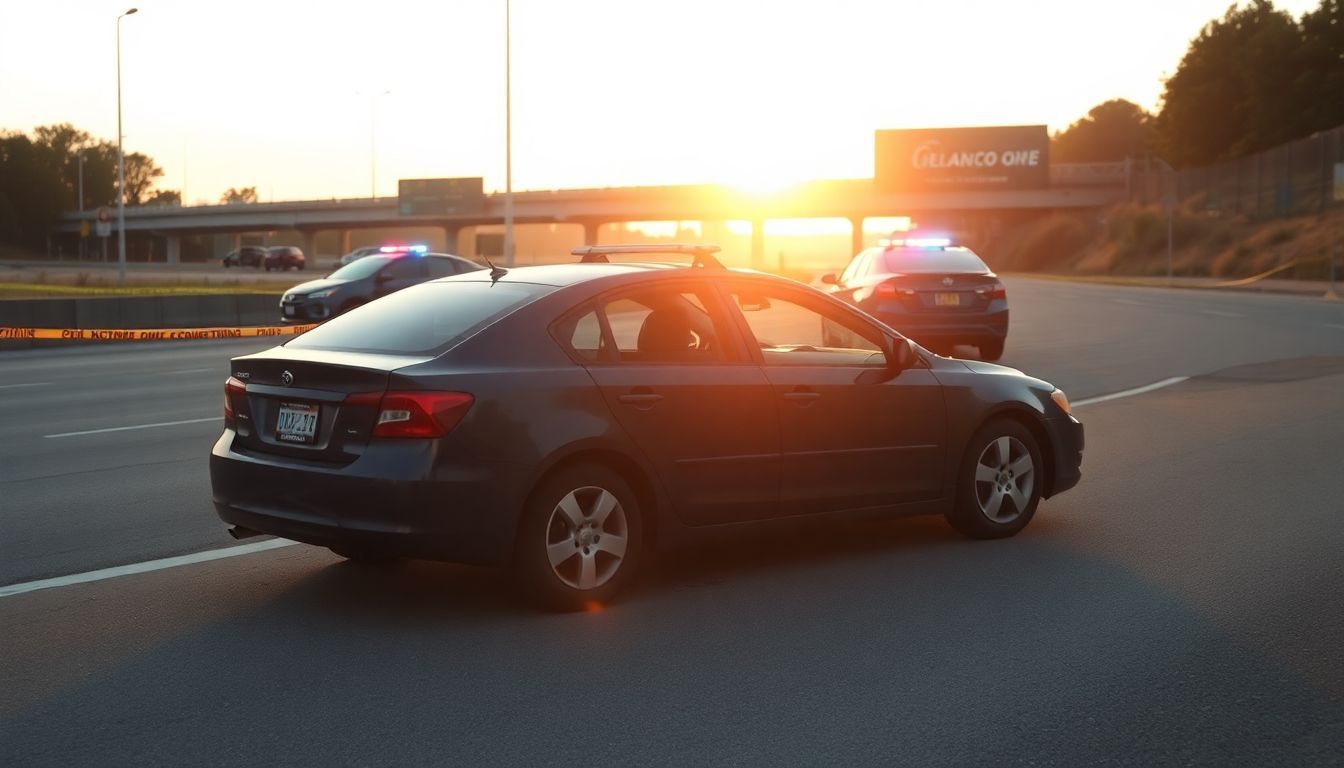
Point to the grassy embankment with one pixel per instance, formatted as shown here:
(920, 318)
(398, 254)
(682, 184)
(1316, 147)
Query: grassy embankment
(1131, 241)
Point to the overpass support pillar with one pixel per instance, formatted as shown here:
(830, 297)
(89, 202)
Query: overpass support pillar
(174, 249)
(590, 231)
(855, 235)
(758, 243)
(237, 240)
(309, 245)
(450, 238)
(345, 241)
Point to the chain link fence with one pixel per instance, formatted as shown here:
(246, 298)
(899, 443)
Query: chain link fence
(1300, 178)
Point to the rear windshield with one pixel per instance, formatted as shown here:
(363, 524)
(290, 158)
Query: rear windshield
(423, 319)
(907, 260)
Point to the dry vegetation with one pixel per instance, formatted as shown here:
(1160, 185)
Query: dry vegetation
(1131, 240)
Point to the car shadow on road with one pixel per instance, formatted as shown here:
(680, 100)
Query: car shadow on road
(883, 642)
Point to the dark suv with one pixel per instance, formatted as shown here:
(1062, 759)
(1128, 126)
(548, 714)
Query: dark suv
(564, 418)
(369, 278)
(246, 256)
(284, 257)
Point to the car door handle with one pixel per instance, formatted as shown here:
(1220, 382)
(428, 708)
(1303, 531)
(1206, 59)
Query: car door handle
(641, 399)
(802, 397)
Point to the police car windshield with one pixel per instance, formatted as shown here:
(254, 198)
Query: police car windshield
(906, 259)
(358, 270)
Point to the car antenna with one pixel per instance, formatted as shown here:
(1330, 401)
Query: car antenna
(495, 272)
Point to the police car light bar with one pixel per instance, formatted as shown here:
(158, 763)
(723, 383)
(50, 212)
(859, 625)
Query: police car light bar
(918, 242)
(404, 249)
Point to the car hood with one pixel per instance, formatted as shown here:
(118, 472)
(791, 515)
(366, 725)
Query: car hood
(316, 285)
(978, 366)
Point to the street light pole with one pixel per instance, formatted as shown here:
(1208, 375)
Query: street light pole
(508, 139)
(373, 141)
(121, 168)
(82, 238)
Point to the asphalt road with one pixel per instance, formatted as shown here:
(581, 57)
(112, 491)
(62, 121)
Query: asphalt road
(1183, 605)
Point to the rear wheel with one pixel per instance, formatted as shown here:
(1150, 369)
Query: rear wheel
(580, 538)
(991, 349)
(1000, 482)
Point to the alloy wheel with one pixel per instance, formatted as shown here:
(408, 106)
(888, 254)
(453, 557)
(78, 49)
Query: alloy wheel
(586, 537)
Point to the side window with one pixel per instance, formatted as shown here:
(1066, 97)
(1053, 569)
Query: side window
(440, 267)
(664, 326)
(405, 268)
(586, 337)
(794, 331)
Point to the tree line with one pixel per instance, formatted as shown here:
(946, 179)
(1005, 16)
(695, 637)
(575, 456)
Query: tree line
(1253, 79)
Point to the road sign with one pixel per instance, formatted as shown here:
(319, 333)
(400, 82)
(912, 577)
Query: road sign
(104, 228)
(83, 230)
(437, 197)
(104, 213)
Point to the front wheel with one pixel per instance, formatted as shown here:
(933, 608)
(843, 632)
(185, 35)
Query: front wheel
(1000, 482)
(580, 538)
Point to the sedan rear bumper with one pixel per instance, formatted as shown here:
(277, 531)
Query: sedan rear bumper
(464, 514)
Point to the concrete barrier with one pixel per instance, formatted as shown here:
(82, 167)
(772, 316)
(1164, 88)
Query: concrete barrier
(132, 312)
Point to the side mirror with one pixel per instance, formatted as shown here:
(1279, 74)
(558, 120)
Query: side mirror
(830, 279)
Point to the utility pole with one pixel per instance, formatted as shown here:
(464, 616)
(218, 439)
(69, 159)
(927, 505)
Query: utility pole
(508, 138)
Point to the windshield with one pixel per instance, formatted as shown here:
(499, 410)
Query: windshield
(358, 270)
(908, 260)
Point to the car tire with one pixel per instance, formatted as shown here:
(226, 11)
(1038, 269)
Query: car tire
(365, 555)
(991, 349)
(580, 539)
(997, 494)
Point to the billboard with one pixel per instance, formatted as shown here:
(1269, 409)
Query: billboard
(936, 159)
(440, 197)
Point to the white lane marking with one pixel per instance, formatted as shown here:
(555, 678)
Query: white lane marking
(145, 567)
(34, 384)
(135, 426)
(1131, 392)
(1220, 313)
(188, 370)
(1327, 325)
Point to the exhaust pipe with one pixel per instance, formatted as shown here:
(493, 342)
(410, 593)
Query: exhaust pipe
(239, 532)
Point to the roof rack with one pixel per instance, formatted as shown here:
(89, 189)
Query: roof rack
(702, 256)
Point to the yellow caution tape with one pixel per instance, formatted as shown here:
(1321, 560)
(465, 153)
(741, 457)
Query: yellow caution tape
(152, 334)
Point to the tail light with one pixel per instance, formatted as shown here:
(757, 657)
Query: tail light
(414, 414)
(995, 291)
(232, 387)
(890, 289)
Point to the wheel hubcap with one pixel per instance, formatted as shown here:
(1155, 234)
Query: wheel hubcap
(1004, 479)
(586, 537)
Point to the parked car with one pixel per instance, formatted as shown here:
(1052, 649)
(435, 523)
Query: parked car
(366, 279)
(284, 257)
(934, 292)
(246, 256)
(563, 418)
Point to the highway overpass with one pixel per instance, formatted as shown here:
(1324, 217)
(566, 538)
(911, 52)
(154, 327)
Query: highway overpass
(1073, 187)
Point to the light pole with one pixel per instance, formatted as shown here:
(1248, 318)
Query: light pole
(121, 168)
(81, 203)
(508, 139)
(373, 141)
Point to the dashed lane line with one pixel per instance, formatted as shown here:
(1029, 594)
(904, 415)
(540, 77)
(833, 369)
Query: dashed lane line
(145, 567)
(1131, 392)
(135, 426)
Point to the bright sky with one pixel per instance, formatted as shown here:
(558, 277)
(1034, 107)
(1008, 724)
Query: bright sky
(278, 94)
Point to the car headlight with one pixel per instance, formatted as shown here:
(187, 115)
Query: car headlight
(1061, 400)
(322, 294)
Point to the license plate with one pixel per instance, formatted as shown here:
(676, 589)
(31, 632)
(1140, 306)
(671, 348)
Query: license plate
(297, 423)
(289, 311)
(947, 299)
